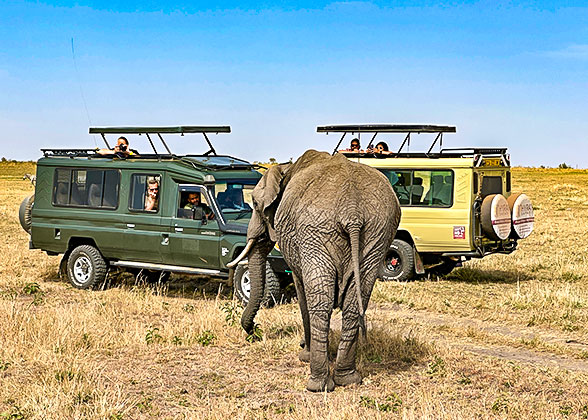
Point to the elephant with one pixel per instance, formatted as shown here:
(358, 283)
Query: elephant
(333, 221)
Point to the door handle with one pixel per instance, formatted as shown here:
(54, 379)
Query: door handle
(164, 239)
(131, 225)
(179, 229)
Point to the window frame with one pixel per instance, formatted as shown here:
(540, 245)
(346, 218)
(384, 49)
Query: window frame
(71, 170)
(131, 192)
(412, 171)
(202, 190)
(241, 181)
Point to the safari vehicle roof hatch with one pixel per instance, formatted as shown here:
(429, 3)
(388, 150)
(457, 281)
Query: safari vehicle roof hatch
(389, 128)
(477, 153)
(210, 159)
(207, 159)
(162, 130)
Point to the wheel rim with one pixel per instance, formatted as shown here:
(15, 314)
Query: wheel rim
(393, 262)
(246, 285)
(82, 269)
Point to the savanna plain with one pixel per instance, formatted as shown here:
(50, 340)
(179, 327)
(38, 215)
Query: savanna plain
(502, 337)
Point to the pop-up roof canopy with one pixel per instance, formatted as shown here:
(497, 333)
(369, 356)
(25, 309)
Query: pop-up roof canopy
(161, 130)
(388, 128)
(187, 129)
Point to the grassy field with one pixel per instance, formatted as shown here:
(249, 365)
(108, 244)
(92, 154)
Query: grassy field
(504, 337)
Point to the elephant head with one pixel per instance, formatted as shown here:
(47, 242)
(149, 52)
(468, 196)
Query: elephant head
(261, 233)
(261, 236)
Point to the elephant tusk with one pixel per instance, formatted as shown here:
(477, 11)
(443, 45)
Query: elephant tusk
(242, 255)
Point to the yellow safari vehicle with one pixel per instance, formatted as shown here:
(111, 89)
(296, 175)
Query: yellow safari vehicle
(457, 204)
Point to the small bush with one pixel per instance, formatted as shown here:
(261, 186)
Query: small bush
(31, 288)
(206, 338)
(436, 367)
(153, 336)
(256, 335)
(392, 403)
(232, 313)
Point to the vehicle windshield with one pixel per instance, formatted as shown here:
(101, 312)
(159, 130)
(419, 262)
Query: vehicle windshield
(234, 198)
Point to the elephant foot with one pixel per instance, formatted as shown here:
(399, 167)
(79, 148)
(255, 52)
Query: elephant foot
(347, 378)
(304, 355)
(320, 384)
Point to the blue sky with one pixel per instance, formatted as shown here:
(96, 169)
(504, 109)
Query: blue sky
(508, 74)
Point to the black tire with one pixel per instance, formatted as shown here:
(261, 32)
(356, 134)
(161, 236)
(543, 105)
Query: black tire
(85, 267)
(447, 265)
(241, 286)
(399, 262)
(25, 213)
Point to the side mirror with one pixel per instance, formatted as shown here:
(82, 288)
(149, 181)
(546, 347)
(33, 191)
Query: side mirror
(198, 213)
(209, 180)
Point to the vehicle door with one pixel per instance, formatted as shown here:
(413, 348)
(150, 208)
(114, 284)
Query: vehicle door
(194, 235)
(144, 236)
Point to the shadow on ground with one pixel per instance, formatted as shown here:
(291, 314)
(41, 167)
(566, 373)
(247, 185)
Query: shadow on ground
(474, 275)
(386, 350)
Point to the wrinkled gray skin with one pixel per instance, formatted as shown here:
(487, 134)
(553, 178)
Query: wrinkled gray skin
(329, 216)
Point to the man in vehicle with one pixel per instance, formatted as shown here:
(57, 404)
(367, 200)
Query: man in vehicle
(152, 197)
(121, 148)
(194, 201)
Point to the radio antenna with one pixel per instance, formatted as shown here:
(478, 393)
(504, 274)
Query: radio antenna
(73, 55)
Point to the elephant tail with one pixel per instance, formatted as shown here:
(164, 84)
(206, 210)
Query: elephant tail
(354, 239)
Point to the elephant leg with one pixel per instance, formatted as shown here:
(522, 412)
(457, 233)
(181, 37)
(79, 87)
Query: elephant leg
(345, 366)
(319, 297)
(304, 354)
(345, 369)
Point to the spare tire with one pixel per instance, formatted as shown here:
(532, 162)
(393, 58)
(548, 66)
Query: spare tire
(495, 215)
(523, 216)
(25, 213)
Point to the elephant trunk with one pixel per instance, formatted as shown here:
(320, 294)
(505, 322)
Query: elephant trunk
(257, 261)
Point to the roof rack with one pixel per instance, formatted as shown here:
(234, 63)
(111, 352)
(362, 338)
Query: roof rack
(476, 150)
(218, 162)
(389, 128)
(68, 152)
(188, 129)
(479, 155)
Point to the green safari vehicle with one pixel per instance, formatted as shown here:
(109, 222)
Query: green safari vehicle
(150, 214)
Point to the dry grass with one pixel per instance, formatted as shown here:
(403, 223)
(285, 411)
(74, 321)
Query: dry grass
(500, 338)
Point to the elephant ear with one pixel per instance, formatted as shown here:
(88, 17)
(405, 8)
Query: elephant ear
(265, 201)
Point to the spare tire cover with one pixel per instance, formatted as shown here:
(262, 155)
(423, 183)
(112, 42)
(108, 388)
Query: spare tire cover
(496, 220)
(523, 217)
(25, 213)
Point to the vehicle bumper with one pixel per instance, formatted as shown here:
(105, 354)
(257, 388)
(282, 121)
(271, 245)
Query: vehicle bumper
(506, 247)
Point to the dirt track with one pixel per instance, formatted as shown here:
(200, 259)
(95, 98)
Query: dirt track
(565, 346)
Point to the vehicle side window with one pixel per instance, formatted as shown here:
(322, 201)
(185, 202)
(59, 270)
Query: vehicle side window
(437, 186)
(145, 192)
(421, 188)
(402, 183)
(193, 203)
(93, 188)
